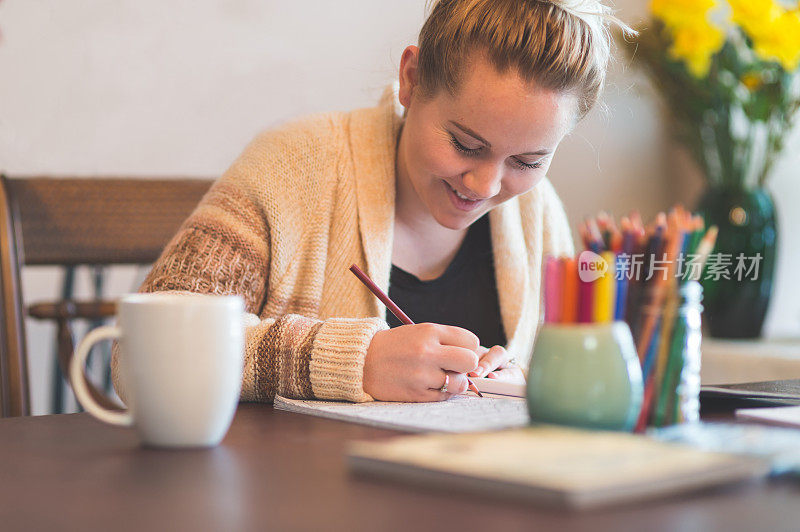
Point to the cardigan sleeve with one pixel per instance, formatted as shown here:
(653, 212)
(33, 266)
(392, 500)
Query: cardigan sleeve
(224, 248)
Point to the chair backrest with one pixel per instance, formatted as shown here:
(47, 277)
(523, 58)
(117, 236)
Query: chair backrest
(72, 221)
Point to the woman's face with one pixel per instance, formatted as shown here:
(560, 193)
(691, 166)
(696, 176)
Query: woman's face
(459, 157)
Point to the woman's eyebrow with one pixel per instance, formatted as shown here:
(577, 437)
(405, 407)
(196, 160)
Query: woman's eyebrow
(474, 135)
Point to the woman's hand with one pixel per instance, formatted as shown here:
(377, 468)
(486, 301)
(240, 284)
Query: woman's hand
(409, 363)
(495, 364)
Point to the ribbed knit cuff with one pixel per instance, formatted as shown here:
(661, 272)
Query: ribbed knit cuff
(336, 368)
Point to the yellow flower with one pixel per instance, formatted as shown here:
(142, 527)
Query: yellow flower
(678, 12)
(694, 39)
(756, 17)
(774, 30)
(781, 42)
(695, 42)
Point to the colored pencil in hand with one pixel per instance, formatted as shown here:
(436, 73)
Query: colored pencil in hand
(394, 309)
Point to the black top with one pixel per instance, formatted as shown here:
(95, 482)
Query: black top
(465, 295)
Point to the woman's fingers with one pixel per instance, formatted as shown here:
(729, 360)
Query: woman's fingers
(494, 358)
(455, 336)
(456, 384)
(456, 359)
(512, 374)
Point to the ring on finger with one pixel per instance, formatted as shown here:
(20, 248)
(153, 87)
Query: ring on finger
(446, 382)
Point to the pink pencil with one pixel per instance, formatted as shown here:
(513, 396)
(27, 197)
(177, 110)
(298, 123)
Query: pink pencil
(552, 289)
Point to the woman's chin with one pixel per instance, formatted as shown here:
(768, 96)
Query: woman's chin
(456, 222)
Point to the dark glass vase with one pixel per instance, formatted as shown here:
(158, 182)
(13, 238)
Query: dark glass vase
(736, 307)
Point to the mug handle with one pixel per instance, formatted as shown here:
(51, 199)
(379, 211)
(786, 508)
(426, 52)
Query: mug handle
(78, 381)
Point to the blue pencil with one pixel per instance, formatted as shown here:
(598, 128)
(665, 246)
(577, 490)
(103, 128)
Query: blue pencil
(622, 290)
(651, 351)
(622, 282)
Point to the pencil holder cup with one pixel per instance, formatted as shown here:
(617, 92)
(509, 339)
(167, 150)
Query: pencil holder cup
(585, 375)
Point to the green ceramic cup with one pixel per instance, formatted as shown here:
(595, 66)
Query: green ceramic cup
(585, 375)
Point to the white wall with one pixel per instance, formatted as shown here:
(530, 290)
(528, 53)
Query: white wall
(178, 88)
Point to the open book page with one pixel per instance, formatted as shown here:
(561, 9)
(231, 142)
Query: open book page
(497, 387)
(462, 413)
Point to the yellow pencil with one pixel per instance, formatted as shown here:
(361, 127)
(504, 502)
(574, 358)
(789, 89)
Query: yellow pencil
(605, 291)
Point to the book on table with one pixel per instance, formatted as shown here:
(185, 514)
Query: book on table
(551, 465)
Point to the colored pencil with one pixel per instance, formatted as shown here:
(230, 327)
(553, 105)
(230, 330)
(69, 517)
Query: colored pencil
(621, 295)
(668, 391)
(596, 239)
(585, 301)
(393, 308)
(617, 240)
(624, 268)
(705, 247)
(652, 350)
(656, 289)
(569, 306)
(552, 291)
(647, 400)
(605, 289)
(667, 329)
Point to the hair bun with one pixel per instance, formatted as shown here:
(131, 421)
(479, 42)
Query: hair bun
(564, 45)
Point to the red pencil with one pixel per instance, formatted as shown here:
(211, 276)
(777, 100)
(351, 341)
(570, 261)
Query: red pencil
(393, 308)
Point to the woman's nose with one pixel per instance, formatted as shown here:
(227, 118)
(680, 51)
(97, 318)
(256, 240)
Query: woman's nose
(484, 182)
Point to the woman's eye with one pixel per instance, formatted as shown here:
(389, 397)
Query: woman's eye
(522, 165)
(463, 149)
(527, 166)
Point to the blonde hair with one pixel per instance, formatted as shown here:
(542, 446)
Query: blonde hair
(561, 45)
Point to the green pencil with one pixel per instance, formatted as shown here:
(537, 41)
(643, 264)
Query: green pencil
(669, 386)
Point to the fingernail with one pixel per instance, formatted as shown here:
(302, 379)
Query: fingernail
(478, 371)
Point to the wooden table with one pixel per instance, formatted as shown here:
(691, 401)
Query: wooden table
(283, 471)
(727, 361)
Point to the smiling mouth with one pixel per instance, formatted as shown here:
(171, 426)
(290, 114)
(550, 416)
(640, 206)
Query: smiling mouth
(460, 201)
(459, 194)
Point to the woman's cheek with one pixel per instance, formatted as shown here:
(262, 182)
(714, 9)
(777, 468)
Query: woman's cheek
(440, 161)
(523, 184)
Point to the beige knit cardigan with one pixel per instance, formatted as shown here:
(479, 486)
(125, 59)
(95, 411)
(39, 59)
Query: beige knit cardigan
(282, 226)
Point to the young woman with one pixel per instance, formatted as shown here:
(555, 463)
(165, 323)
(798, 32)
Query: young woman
(439, 193)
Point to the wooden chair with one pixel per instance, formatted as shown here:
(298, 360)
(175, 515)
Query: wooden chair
(76, 221)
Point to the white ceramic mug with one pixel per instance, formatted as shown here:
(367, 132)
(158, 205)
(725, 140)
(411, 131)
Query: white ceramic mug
(181, 366)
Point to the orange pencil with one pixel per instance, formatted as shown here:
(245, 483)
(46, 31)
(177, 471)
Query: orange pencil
(569, 297)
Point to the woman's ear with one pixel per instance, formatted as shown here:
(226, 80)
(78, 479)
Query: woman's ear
(408, 75)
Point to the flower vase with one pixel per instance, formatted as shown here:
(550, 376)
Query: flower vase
(737, 281)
